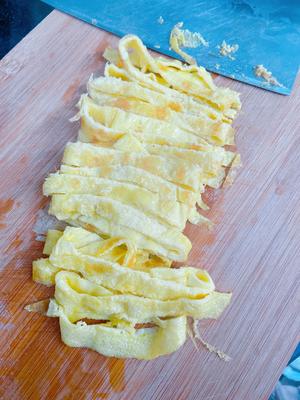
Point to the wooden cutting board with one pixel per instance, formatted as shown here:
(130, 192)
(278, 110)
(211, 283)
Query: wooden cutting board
(253, 250)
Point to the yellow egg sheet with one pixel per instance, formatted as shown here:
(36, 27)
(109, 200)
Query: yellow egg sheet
(152, 204)
(105, 124)
(151, 139)
(180, 172)
(212, 164)
(119, 341)
(51, 239)
(131, 97)
(126, 173)
(112, 218)
(114, 249)
(160, 74)
(81, 298)
(161, 283)
(186, 103)
(111, 289)
(114, 123)
(122, 296)
(44, 272)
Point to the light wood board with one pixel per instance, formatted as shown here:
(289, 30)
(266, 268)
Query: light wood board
(253, 250)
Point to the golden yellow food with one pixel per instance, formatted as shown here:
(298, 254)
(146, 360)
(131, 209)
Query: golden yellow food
(119, 250)
(180, 172)
(161, 283)
(81, 299)
(161, 74)
(130, 96)
(140, 177)
(120, 340)
(110, 282)
(151, 139)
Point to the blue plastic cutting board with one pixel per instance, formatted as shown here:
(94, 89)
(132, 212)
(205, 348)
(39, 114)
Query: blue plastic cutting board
(267, 32)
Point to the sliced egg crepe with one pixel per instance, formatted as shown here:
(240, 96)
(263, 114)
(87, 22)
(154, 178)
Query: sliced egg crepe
(180, 172)
(129, 96)
(120, 250)
(152, 204)
(117, 339)
(151, 140)
(104, 125)
(160, 74)
(81, 298)
(147, 296)
(107, 124)
(126, 173)
(112, 218)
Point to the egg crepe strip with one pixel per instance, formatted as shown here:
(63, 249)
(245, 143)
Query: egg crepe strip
(166, 211)
(212, 162)
(172, 213)
(130, 96)
(151, 139)
(176, 171)
(107, 124)
(119, 250)
(213, 172)
(103, 125)
(77, 154)
(126, 173)
(51, 239)
(119, 341)
(112, 218)
(129, 142)
(161, 283)
(104, 227)
(81, 299)
(160, 74)
(78, 298)
(180, 101)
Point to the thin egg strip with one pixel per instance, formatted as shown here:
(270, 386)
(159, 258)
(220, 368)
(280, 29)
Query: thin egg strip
(81, 298)
(171, 212)
(132, 99)
(137, 176)
(160, 74)
(113, 218)
(180, 172)
(117, 341)
(159, 283)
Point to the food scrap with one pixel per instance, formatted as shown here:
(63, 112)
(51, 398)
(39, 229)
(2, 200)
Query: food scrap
(152, 137)
(262, 72)
(227, 50)
(184, 38)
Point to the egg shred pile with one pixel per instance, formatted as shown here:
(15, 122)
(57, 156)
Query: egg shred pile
(153, 136)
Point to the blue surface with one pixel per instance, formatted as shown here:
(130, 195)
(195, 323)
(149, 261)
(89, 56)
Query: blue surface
(268, 32)
(288, 386)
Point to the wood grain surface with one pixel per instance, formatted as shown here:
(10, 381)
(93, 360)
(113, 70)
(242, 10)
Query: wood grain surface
(253, 250)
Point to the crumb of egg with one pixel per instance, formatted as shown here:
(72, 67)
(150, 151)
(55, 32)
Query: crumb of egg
(226, 50)
(184, 38)
(262, 72)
